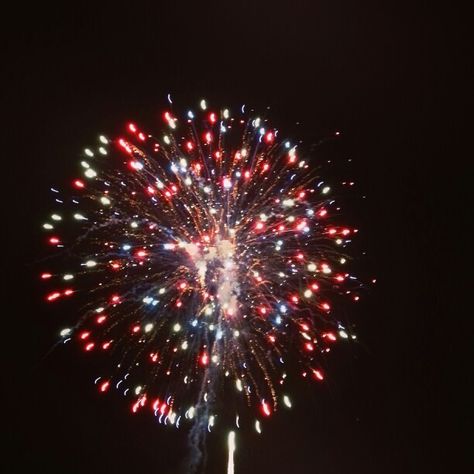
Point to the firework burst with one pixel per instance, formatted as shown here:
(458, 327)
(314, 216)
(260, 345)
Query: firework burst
(203, 258)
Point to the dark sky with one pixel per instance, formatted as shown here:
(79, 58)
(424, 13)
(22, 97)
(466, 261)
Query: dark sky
(383, 74)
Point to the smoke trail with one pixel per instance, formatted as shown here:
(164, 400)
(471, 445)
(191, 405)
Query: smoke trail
(197, 444)
(197, 435)
(217, 273)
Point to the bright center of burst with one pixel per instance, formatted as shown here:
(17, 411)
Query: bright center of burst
(217, 272)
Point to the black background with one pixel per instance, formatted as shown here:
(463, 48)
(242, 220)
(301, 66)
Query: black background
(385, 74)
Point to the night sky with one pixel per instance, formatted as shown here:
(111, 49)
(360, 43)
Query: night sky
(380, 74)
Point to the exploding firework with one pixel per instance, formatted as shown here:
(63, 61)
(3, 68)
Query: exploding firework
(203, 259)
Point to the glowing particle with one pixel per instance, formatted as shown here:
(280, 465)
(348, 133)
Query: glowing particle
(287, 401)
(53, 296)
(265, 408)
(210, 423)
(136, 165)
(325, 268)
(148, 327)
(258, 428)
(318, 374)
(204, 359)
(90, 173)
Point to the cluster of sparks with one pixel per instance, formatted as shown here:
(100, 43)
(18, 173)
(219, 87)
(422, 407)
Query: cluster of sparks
(204, 259)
